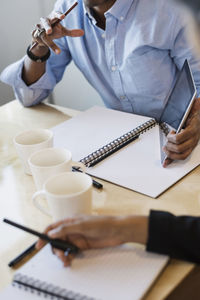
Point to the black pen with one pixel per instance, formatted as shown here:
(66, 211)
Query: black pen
(95, 183)
(22, 255)
(55, 243)
(118, 147)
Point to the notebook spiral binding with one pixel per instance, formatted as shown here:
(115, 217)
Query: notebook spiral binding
(98, 155)
(46, 290)
(165, 128)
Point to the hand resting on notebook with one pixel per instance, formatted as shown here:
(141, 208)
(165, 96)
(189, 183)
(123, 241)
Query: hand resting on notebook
(179, 146)
(161, 232)
(97, 232)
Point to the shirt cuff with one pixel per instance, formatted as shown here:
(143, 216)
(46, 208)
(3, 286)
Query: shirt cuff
(12, 75)
(159, 232)
(28, 95)
(176, 236)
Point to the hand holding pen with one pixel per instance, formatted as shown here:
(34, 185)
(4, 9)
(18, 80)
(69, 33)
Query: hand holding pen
(66, 247)
(50, 29)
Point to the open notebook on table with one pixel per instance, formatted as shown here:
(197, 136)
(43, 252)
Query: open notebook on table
(136, 166)
(124, 272)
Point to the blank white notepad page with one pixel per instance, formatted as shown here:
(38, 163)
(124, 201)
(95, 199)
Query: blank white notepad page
(124, 272)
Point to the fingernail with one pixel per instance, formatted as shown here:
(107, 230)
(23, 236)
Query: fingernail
(49, 31)
(37, 246)
(51, 234)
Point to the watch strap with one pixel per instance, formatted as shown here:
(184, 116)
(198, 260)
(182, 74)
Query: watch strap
(37, 58)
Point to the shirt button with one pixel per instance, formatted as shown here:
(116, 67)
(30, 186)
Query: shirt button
(122, 97)
(103, 35)
(121, 18)
(113, 68)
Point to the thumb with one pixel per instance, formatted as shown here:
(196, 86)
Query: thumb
(62, 231)
(167, 162)
(172, 132)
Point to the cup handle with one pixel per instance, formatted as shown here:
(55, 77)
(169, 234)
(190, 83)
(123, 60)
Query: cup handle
(37, 204)
(78, 165)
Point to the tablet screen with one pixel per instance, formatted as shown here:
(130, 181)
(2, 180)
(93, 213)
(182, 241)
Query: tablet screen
(180, 99)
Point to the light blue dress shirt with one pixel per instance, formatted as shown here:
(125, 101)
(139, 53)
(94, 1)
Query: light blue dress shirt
(132, 64)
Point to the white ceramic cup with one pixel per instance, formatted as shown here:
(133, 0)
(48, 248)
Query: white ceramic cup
(68, 194)
(51, 161)
(30, 141)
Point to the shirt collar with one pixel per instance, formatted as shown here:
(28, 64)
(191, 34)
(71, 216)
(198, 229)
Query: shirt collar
(88, 13)
(119, 10)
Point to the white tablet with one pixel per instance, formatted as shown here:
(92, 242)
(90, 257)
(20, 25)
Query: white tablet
(180, 100)
(178, 104)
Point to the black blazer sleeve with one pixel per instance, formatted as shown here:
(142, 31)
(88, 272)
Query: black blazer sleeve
(178, 237)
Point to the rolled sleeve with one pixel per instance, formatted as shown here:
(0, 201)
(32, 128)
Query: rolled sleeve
(28, 95)
(38, 91)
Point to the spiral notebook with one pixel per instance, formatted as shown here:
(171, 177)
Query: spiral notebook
(124, 272)
(137, 165)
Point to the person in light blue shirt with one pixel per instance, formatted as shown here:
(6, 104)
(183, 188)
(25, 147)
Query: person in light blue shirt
(129, 50)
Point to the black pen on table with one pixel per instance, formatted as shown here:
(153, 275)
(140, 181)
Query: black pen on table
(95, 183)
(22, 255)
(65, 246)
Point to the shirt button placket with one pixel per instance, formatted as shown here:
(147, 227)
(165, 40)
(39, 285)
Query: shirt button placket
(111, 35)
(113, 68)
